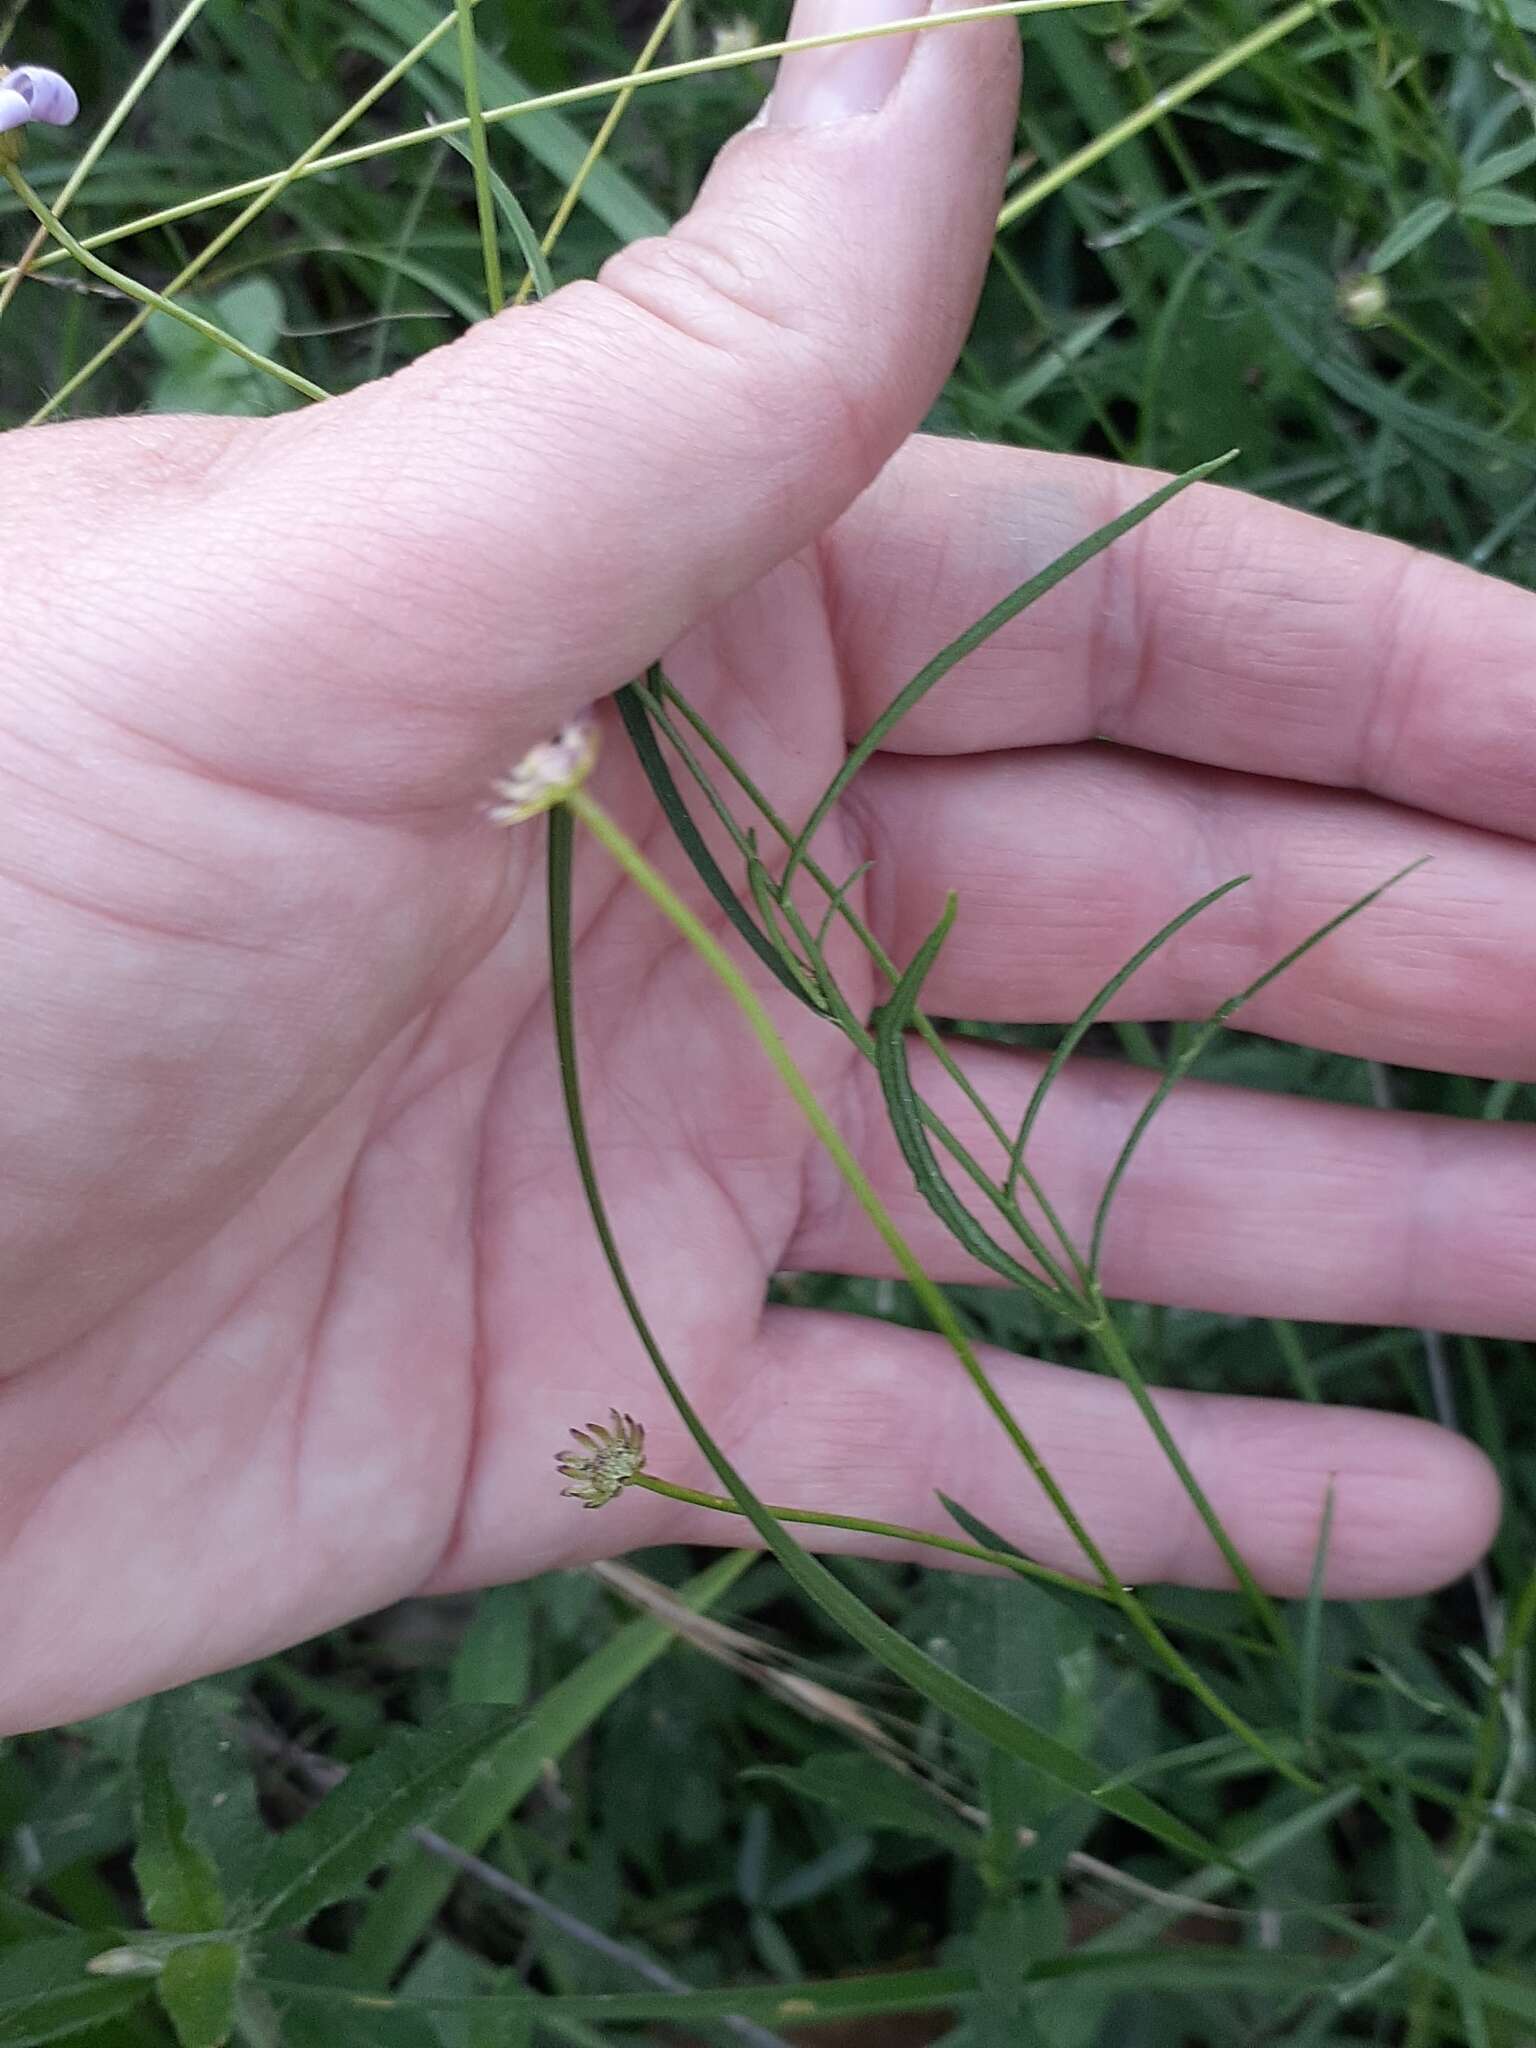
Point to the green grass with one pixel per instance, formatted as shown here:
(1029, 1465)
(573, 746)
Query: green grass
(1000, 1801)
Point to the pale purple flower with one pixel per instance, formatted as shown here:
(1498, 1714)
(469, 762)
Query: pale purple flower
(33, 93)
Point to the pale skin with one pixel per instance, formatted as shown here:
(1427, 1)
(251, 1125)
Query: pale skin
(301, 1297)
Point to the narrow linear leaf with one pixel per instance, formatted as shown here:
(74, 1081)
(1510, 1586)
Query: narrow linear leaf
(1411, 230)
(1076, 1033)
(1309, 1674)
(664, 786)
(1019, 600)
(1200, 1039)
(1499, 209)
(906, 1115)
(867, 1628)
(473, 148)
(827, 2001)
(1453, 1939)
(871, 1794)
(798, 2004)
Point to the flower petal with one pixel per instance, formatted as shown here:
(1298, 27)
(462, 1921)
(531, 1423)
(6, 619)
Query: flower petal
(48, 95)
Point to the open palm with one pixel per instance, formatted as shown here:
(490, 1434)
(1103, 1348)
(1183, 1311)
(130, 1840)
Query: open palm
(302, 1294)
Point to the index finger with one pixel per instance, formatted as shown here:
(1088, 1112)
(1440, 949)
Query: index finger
(1224, 630)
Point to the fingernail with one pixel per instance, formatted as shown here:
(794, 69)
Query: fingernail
(818, 86)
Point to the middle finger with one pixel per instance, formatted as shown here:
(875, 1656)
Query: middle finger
(1068, 859)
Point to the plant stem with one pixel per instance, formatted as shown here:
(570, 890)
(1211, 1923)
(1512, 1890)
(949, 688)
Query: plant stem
(1193, 82)
(569, 96)
(132, 289)
(812, 1518)
(100, 142)
(270, 192)
(1112, 1348)
(600, 141)
(480, 156)
(935, 1304)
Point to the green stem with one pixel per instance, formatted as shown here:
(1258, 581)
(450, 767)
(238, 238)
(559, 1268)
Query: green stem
(1193, 82)
(934, 1303)
(1056, 1291)
(132, 289)
(600, 141)
(1112, 1348)
(568, 96)
(267, 196)
(105, 135)
(480, 156)
(1024, 1568)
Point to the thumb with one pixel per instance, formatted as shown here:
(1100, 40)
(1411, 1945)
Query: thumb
(522, 520)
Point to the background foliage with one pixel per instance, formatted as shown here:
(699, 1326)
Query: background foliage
(1325, 259)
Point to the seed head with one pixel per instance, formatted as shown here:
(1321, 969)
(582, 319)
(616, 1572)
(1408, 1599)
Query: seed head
(612, 1458)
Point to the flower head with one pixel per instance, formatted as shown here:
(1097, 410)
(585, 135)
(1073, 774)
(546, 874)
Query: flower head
(547, 773)
(1363, 299)
(33, 93)
(612, 1459)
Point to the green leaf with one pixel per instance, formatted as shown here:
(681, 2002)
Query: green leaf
(1007, 1731)
(874, 1795)
(1018, 600)
(1200, 1038)
(46, 1993)
(1460, 1966)
(213, 1777)
(906, 1114)
(494, 1658)
(1502, 165)
(1500, 209)
(404, 1784)
(177, 1881)
(412, 1898)
(1311, 1655)
(1410, 231)
(197, 1988)
(785, 2004)
(253, 311)
(664, 786)
(1078, 1030)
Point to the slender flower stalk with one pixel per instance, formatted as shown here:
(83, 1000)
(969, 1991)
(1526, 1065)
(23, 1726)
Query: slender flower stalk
(132, 289)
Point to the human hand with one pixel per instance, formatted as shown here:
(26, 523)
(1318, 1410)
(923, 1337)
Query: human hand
(301, 1295)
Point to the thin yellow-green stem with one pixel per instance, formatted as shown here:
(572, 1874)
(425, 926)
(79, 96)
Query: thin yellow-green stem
(480, 155)
(896, 1532)
(571, 96)
(1112, 1348)
(148, 71)
(1171, 96)
(930, 1297)
(132, 289)
(571, 197)
(267, 196)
